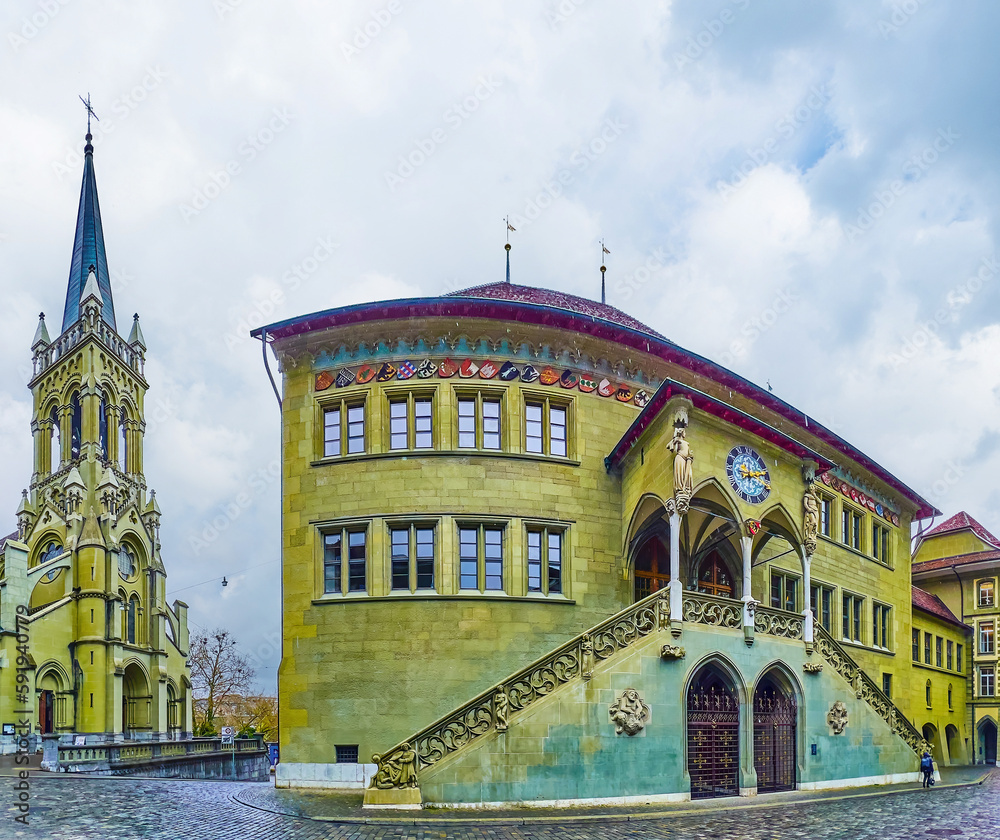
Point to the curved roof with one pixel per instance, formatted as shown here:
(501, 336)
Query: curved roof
(555, 300)
(961, 521)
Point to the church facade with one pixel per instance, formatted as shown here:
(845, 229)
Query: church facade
(88, 645)
(533, 551)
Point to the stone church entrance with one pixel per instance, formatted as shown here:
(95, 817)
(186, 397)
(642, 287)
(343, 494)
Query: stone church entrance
(713, 730)
(774, 716)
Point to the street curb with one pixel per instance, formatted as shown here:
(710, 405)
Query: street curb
(599, 818)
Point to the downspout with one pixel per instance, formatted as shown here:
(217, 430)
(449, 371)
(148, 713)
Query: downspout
(267, 366)
(971, 680)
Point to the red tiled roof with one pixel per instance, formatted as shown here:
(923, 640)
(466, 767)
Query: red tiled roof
(956, 560)
(960, 522)
(556, 300)
(935, 606)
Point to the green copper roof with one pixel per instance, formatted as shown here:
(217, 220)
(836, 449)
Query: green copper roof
(88, 249)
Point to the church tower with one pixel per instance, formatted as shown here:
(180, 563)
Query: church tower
(82, 579)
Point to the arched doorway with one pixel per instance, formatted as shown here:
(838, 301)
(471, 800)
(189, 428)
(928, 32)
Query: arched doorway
(652, 567)
(774, 717)
(136, 700)
(930, 733)
(988, 741)
(713, 730)
(955, 751)
(50, 701)
(714, 577)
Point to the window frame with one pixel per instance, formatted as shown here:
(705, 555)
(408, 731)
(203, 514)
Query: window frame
(881, 543)
(881, 625)
(981, 588)
(852, 526)
(545, 531)
(959, 656)
(413, 530)
(548, 403)
(853, 617)
(482, 577)
(410, 397)
(927, 648)
(983, 636)
(826, 515)
(344, 532)
(950, 654)
(915, 643)
(887, 685)
(481, 396)
(938, 652)
(786, 579)
(987, 671)
(823, 589)
(343, 406)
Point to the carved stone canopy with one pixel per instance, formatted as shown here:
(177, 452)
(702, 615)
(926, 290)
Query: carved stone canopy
(629, 713)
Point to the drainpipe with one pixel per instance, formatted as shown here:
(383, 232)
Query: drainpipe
(267, 366)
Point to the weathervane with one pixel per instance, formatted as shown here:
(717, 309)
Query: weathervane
(90, 111)
(510, 227)
(603, 269)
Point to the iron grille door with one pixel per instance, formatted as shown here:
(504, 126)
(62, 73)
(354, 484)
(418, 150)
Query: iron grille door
(713, 742)
(774, 715)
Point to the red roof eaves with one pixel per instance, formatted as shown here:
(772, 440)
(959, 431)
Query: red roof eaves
(924, 600)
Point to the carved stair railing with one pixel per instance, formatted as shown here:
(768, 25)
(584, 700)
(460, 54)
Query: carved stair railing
(574, 660)
(865, 689)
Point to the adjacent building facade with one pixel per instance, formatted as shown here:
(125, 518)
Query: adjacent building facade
(535, 551)
(89, 646)
(959, 561)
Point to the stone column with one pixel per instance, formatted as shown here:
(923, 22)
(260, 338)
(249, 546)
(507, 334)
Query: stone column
(676, 585)
(749, 604)
(807, 613)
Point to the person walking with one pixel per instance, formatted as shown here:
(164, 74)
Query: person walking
(927, 768)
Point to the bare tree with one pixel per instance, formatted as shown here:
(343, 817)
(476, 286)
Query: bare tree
(218, 670)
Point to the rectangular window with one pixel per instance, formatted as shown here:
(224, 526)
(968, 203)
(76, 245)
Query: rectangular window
(334, 567)
(851, 528)
(783, 591)
(951, 654)
(480, 556)
(821, 603)
(880, 543)
(880, 625)
(343, 430)
(346, 754)
(986, 637)
(986, 593)
(852, 618)
(545, 550)
(987, 676)
(887, 685)
(479, 422)
(927, 648)
(959, 663)
(826, 516)
(411, 423)
(915, 638)
(939, 652)
(412, 558)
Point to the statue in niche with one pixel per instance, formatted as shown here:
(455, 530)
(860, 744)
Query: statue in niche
(628, 713)
(683, 469)
(586, 657)
(837, 718)
(501, 706)
(810, 519)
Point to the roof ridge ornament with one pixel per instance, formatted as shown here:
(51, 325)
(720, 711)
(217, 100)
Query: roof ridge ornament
(510, 227)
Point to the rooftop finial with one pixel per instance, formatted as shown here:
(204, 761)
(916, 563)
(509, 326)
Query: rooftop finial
(90, 113)
(510, 227)
(603, 269)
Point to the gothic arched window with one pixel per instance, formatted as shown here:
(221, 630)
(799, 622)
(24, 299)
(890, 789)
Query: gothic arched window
(133, 609)
(126, 562)
(76, 427)
(55, 442)
(714, 578)
(122, 444)
(102, 427)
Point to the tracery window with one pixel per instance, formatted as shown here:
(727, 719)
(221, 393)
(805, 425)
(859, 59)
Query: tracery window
(714, 578)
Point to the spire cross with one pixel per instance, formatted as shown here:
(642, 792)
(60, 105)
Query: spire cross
(90, 111)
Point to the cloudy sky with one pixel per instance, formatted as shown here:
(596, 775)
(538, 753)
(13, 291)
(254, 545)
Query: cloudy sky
(807, 193)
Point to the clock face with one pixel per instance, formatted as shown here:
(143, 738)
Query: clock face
(748, 474)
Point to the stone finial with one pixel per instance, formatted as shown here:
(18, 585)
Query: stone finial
(41, 339)
(135, 337)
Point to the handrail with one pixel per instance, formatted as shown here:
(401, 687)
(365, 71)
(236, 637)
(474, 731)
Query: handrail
(865, 689)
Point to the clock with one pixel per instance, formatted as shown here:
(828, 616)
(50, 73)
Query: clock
(748, 474)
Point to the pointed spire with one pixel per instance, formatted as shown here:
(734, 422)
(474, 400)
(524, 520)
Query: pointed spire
(88, 249)
(41, 339)
(25, 507)
(90, 290)
(135, 337)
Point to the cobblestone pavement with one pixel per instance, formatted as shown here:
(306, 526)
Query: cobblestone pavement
(68, 808)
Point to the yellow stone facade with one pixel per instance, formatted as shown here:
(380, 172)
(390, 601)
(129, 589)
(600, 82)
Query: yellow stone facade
(370, 656)
(89, 646)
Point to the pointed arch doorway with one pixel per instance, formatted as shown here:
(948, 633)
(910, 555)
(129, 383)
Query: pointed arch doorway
(713, 730)
(774, 718)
